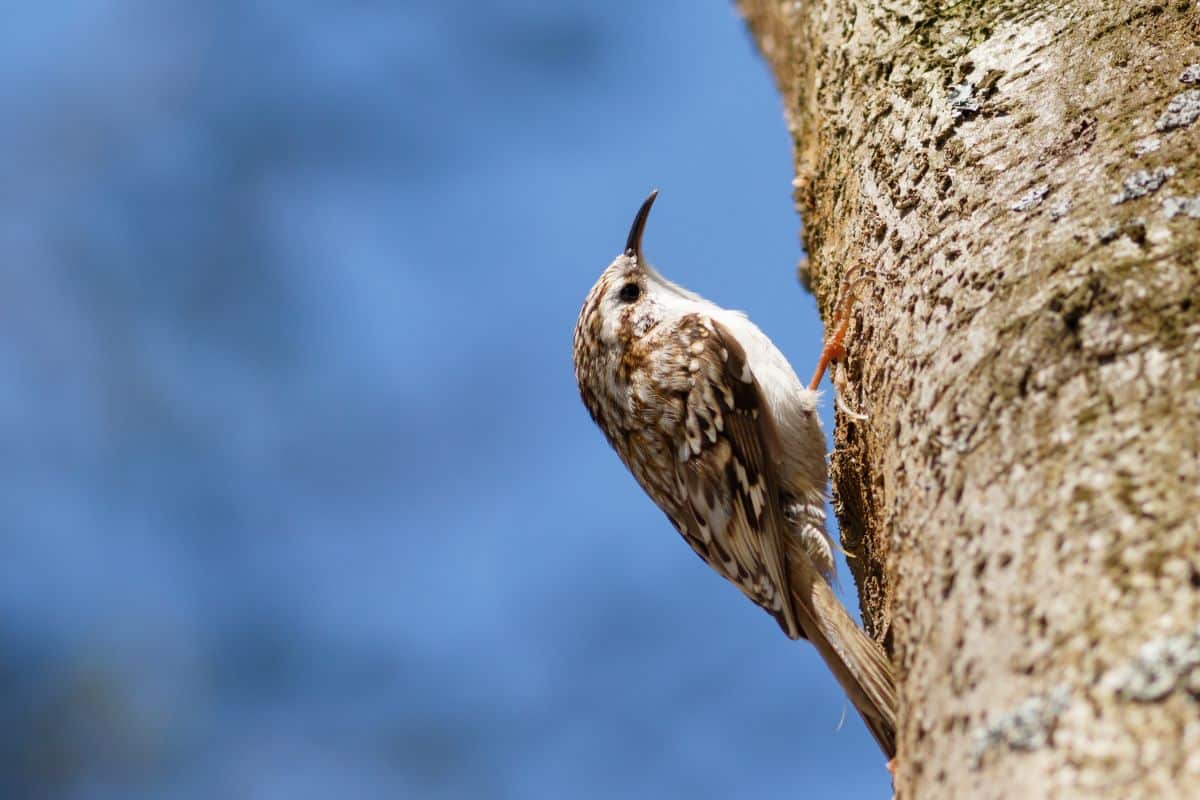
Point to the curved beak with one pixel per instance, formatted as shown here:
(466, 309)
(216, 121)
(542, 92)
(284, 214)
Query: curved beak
(633, 245)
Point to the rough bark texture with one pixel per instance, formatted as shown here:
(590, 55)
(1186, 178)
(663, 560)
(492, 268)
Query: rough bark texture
(1023, 498)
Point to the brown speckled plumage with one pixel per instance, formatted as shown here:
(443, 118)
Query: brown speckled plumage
(719, 432)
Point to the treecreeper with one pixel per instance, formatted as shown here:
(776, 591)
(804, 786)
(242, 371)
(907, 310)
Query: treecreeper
(719, 431)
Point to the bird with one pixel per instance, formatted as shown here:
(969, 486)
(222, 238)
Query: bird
(715, 426)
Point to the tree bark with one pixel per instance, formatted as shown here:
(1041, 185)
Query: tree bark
(1020, 182)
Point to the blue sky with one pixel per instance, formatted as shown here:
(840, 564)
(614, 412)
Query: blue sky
(300, 497)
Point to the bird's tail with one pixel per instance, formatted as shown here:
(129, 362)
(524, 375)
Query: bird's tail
(857, 660)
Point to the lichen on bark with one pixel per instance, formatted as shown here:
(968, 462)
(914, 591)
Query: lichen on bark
(1023, 499)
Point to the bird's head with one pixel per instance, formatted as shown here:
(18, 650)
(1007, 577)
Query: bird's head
(628, 300)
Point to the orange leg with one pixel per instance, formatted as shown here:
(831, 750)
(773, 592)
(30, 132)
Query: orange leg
(835, 348)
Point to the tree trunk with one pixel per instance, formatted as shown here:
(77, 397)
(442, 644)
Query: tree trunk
(1019, 182)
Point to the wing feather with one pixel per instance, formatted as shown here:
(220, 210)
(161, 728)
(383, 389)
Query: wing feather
(730, 509)
(726, 482)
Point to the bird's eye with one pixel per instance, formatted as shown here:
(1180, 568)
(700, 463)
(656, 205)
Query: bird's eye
(630, 292)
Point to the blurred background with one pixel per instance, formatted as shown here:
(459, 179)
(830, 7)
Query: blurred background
(299, 499)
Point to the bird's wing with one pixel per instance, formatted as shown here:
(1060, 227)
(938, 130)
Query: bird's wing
(725, 478)
(732, 516)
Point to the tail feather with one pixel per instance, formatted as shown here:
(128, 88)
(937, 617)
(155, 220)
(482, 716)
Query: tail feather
(857, 660)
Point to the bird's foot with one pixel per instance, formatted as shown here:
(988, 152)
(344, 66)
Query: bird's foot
(835, 345)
